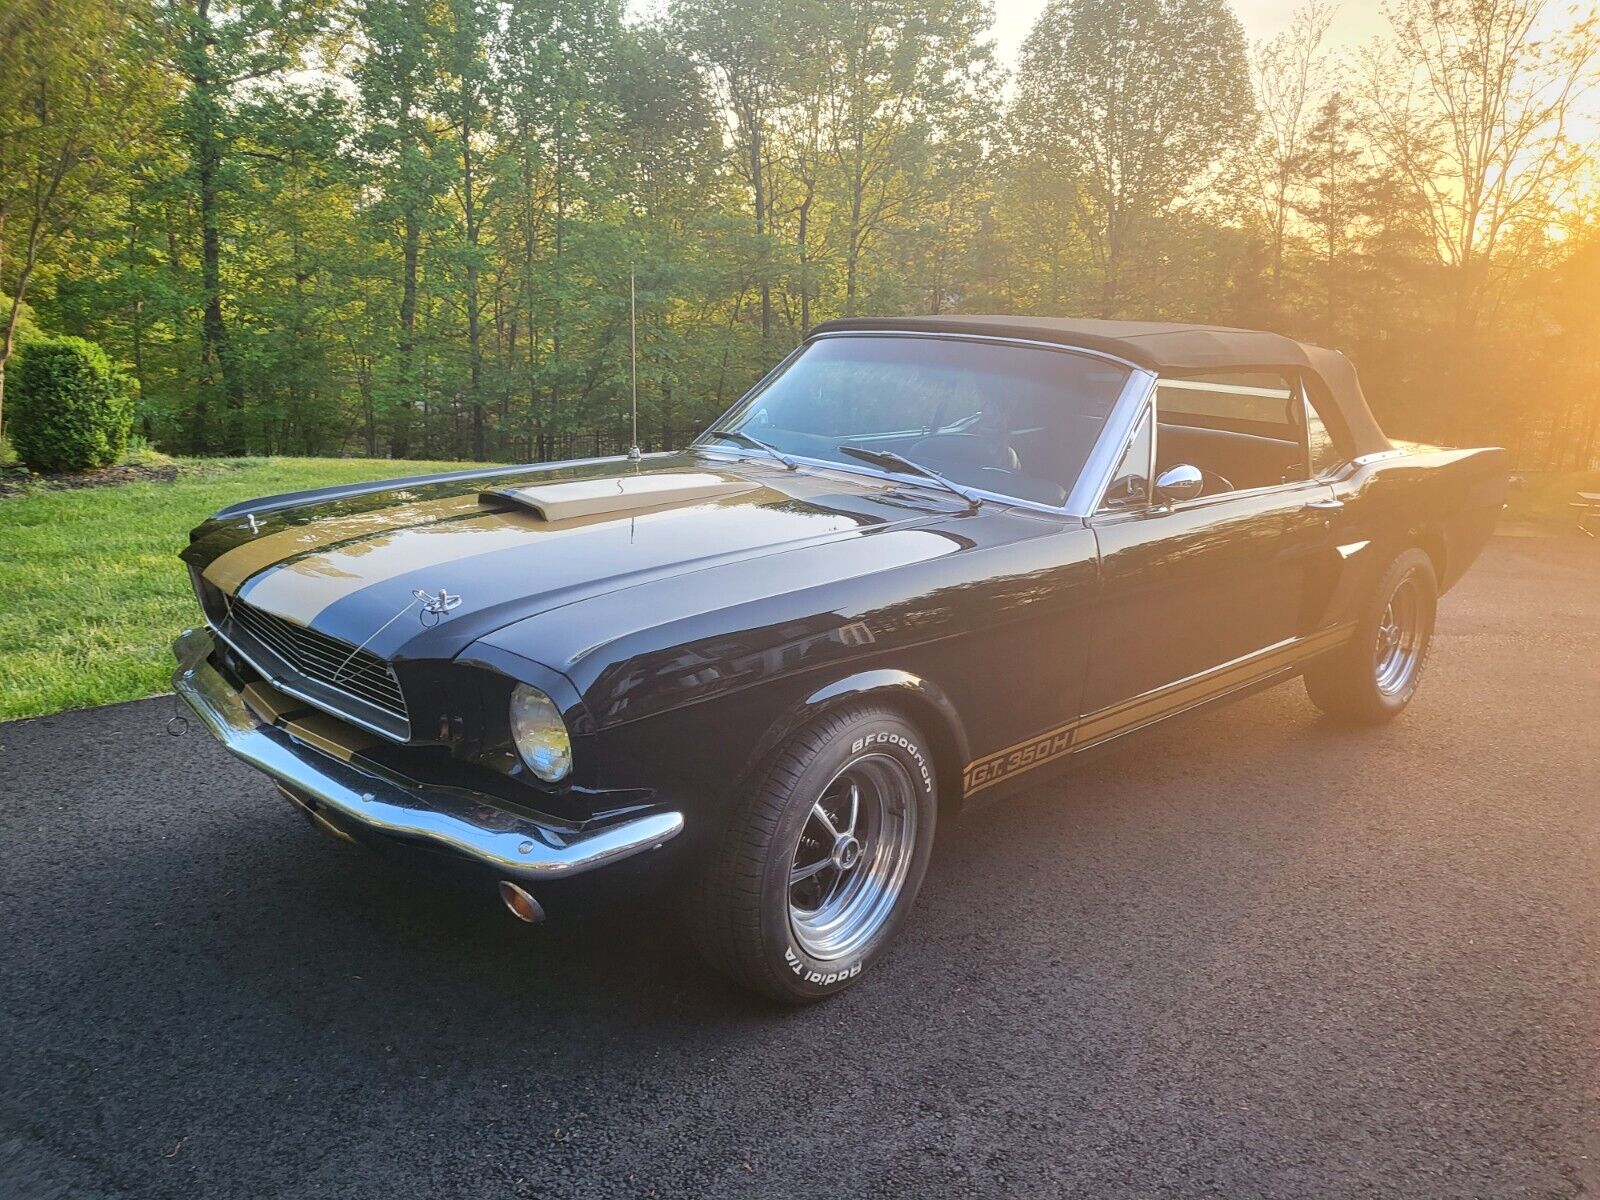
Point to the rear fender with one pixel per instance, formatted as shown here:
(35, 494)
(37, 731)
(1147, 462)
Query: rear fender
(1446, 502)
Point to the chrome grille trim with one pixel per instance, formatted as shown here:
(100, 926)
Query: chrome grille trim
(326, 660)
(302, 663)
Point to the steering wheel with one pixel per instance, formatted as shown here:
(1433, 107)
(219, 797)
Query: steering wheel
(1214, 483)
(965, 450)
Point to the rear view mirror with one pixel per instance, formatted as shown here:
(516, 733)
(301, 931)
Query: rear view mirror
(1179, 483)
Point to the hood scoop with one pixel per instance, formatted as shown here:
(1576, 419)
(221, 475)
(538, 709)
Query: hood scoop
(630, 493)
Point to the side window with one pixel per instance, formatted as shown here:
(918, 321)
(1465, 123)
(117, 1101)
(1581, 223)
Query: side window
(1324, 450)
(1243, 430)
(1130, 482)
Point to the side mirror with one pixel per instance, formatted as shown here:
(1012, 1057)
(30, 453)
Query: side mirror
(1179, 483)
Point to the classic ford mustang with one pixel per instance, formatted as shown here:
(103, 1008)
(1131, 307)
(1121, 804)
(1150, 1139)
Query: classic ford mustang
(923, 563)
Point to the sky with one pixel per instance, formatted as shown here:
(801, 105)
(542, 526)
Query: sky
(1355, 24)
(1355, 21)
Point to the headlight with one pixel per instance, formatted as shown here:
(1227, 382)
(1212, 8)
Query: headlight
(540, 734)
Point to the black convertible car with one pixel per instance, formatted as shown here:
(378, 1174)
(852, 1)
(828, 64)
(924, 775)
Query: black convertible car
(926, 561)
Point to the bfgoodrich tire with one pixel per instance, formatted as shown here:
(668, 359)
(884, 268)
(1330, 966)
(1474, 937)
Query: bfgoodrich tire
(1373, 677)
(821, 863)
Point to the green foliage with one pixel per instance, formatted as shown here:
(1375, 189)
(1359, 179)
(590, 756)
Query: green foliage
(100, 632)
(1126, 108)
(407, 227)
(71, 410)
(144, 458)
(26, 329)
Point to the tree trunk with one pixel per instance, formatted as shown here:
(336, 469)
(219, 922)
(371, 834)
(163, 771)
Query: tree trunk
(852, 271)
(400, 421)
(474, 333)
(802, 242)
(216, 357)
(758, 192)
(559, 245)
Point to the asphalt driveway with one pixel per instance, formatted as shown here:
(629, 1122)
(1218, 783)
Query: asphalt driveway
(1257, 955)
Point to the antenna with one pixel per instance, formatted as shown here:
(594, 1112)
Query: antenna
(633, 365)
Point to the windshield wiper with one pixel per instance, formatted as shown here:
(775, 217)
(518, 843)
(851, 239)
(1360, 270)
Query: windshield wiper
(744, 439)
(888, 458)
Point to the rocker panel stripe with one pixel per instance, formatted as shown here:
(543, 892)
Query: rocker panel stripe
(1130, 714)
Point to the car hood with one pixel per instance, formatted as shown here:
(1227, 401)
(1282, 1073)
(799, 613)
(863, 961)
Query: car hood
(366, 566)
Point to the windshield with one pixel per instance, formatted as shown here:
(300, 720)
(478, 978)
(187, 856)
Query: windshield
(1015, 420)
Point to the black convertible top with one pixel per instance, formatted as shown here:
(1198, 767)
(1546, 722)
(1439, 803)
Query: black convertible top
(1170, 349)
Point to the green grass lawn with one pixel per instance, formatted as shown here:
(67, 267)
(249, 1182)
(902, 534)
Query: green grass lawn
(92, 592)
(91, 589)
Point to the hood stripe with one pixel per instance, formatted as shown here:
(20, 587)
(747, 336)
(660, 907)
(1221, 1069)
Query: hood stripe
(230, 569)
(304, 587)
(301, 588)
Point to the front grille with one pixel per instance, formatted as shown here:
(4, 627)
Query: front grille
(323, 659)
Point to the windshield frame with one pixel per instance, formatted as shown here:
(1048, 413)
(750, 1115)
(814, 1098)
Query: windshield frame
(1097, 467)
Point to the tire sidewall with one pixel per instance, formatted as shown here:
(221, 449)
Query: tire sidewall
(873, 732)
(1409, 563)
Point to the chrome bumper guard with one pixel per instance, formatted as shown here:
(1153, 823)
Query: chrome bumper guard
(467, 824)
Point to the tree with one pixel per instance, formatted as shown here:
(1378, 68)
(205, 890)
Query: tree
(1334, 196)
(1291, 75)
(1472, 103)
(407, 226)
(750, 49)
(78, 102)
(395, 72)
(901, 74)
(1131, 104)
(219, 46)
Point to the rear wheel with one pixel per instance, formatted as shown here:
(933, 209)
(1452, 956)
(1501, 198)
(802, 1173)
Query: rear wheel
(822, 861)
(1372, 678)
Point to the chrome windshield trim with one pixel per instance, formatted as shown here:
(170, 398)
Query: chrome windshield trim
(1120, 425)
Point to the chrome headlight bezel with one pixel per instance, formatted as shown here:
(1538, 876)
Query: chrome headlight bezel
(539, 733)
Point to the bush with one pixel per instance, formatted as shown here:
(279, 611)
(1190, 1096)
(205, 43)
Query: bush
(67, 407)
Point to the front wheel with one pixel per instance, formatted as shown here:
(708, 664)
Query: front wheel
(822, 861)
(1372, 677)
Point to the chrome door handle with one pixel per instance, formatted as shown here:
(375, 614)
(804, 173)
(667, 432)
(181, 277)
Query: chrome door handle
(1324, 505)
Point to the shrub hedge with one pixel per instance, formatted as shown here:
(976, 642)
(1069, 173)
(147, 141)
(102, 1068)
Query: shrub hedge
(67, 407)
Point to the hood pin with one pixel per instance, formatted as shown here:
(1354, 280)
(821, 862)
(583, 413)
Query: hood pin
(438, 605)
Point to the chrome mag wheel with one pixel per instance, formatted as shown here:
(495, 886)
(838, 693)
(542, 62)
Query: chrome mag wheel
(854, 851)
(1401, 638)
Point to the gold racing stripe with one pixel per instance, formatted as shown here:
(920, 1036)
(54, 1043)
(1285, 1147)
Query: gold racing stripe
(268, 703)
(1143, 709)
(303, 587)
(300, 721)
(231, 568)
(330, 735)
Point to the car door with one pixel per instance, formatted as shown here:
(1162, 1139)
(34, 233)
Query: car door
(1201, 596)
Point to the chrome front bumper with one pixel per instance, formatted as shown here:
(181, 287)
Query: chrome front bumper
(466, 824)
